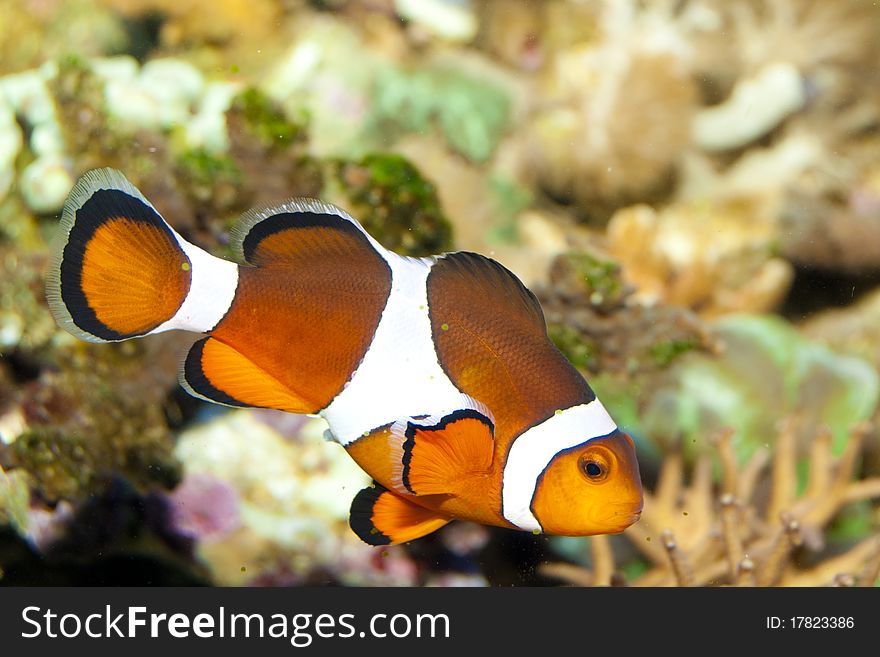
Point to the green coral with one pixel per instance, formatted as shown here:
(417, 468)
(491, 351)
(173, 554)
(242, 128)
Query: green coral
(471, 113)
(766, 370)
(395, 203)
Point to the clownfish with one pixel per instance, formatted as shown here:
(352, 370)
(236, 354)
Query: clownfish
(435, 374)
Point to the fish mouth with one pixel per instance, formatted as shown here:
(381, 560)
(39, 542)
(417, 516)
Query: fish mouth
(623, 519)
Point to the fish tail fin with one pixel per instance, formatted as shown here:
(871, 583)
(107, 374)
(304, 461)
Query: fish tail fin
(117, 269)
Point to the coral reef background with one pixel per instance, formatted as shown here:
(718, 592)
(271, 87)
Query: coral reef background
(692, 188)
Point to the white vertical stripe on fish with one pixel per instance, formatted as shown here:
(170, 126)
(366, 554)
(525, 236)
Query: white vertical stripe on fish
(399, 375)
(212, 289)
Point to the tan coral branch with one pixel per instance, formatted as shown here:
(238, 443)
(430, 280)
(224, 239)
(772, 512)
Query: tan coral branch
(603, 560)
(856, 559)
(820, 464)
(871, 571)
(862, 490)
(723, 442)
(782, 496)
(788, 537)
(745, 573)
(669, 484)
(681, 568)
(732, 541)
(821, 510)
(751, 472)
(567, 572)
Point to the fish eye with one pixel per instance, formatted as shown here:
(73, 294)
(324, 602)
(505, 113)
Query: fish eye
(594, 468)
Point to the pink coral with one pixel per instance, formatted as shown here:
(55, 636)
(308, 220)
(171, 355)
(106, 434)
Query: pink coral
(204, 506)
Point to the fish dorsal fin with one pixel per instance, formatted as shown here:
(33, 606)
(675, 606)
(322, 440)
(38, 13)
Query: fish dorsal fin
(491, 340)
(432, 454)
(478, 276)
(380, 517)
(218, 373)
(297, 230)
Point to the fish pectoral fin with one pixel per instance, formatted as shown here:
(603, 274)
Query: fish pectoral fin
(381, 517)
(219, 373)
(433, 454)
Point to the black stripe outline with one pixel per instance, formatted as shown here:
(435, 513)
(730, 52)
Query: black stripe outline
(282, 221)
(360, 517)
(102, 205)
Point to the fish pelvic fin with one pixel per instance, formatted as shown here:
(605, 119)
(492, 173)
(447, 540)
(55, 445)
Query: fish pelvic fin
(381, 517)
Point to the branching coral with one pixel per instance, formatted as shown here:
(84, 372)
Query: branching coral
(734, 532)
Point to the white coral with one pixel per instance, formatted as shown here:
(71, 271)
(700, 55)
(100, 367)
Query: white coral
(757, 105)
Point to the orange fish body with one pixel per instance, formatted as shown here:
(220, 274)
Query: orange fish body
(435, 374)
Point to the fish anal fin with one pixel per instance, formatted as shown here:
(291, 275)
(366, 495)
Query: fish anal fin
(437, 454)
(217, 372)
(381, 517)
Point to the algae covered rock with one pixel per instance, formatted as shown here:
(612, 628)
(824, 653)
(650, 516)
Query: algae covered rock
(593, 319)
(88, 413)
(268, 153)
(395, 203)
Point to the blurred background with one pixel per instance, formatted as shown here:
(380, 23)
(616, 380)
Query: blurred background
(691, 187)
